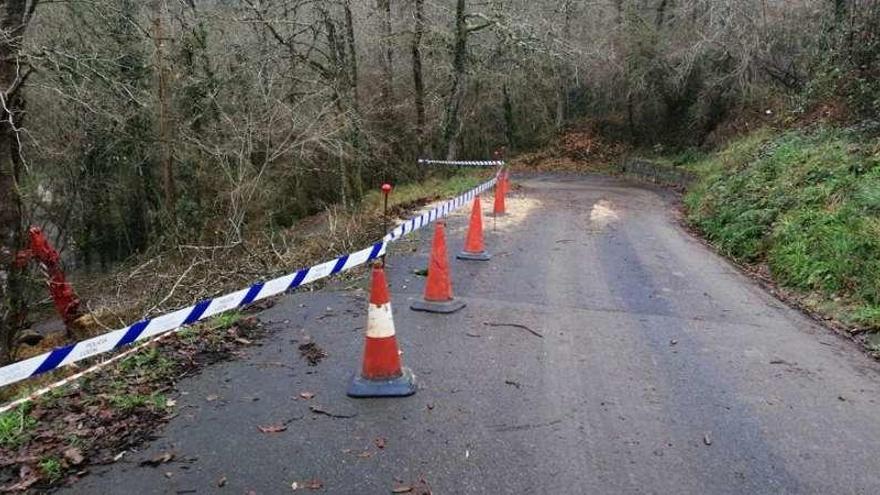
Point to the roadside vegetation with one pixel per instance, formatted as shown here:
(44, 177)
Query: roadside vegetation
(162, 281)
(806, 204)
(101, 417)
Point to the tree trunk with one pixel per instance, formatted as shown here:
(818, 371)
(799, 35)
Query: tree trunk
(354, 98)
(386, 57)
(839, 12)
(166, 157)
(563, 70)
(14, 17)
(661, 13)
(341, 97)
(452, 123)
(418, 82)
(509, 120)
(352, 58)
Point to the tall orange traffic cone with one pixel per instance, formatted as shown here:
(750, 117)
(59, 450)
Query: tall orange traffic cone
(438, 289)
(382, 374)
(474, 248)
(500, 191)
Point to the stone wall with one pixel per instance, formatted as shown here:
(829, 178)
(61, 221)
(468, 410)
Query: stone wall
(657, 172)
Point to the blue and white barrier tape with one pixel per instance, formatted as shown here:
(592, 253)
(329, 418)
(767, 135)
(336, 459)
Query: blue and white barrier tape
(440, 211)
(455, 163)
(153, 327)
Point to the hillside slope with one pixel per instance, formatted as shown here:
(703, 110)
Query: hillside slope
(805, 206)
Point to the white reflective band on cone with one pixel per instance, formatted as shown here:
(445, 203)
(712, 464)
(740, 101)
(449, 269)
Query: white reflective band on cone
(380, 323)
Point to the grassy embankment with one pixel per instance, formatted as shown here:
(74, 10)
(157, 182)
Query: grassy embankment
(804, 205)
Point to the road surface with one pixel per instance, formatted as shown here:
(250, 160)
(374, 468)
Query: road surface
(660, 369)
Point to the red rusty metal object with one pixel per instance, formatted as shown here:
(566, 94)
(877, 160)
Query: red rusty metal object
(66, 301)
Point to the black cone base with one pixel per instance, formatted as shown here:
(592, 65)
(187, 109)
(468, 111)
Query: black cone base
(444, 307)
(402, 386)
(481, 256)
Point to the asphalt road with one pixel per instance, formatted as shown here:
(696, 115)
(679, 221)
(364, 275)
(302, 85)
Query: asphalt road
(660, 369)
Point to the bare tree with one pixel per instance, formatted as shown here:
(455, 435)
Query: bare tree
(452, 123)
(15, 15)
(386, 55)
(418, 80)
(166, 157)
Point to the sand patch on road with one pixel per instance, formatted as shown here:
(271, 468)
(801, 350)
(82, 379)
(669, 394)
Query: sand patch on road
(602, 215)
(517, 205)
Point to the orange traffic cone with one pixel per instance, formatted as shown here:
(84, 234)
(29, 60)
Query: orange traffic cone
(500, 191)
(438, 290)
(474, 248)
(382, 374)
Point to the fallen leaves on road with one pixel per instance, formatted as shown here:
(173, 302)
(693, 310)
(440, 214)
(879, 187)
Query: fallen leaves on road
(379, 442)
(221, 482)
(27, 477)
(312, 353)
(313, 484)
(96, 421)
(276, 428)
(74, 456)
(158, 459)
(307, 395)
(419, 488)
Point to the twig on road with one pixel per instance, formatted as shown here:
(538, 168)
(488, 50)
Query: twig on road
(514, 325)
(320, 410)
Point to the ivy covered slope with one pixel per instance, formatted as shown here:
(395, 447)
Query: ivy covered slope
(805, 203)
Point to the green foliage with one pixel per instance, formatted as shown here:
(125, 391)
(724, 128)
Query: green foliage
(129, 402)
(227, 319)
(52, 469)
(16, 426)
(847, 63)
(808, 204)
(438, 186)
(149, 360)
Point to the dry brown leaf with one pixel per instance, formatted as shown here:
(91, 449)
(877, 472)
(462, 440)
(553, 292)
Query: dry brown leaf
(74, 456)
(158, 459)
(272, 428)
(314, 484)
